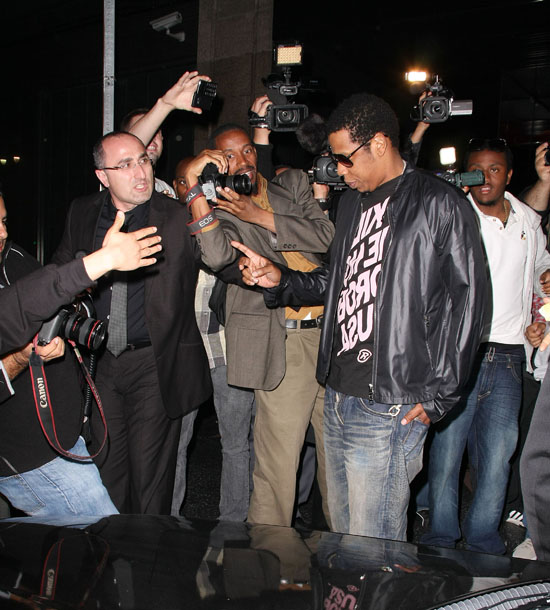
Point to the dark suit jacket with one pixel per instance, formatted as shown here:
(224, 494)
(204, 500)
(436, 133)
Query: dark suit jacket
(182, 366)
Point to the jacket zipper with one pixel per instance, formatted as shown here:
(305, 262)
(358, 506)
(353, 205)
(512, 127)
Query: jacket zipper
(375, 321)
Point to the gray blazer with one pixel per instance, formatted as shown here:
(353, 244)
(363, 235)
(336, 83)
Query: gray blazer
(255, 335)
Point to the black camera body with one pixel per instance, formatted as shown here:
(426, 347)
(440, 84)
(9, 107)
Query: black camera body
(283, 114)
(75, 323)
(440, 106)
(204, 95)
(324, 171)
(283, 117)
(211, 178)
(475, 178)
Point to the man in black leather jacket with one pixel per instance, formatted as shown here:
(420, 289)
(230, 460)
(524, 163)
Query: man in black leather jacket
(404, 297)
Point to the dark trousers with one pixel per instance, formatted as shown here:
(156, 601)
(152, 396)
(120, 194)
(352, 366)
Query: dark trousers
(535, 474)
(138, 464)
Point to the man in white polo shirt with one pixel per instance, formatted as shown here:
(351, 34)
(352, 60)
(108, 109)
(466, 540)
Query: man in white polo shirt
(486, 419)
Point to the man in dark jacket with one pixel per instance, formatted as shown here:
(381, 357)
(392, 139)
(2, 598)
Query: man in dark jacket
(33, 476)
(404, 303)
(152, 329)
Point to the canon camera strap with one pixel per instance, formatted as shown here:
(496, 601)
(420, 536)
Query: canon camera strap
(44, 408)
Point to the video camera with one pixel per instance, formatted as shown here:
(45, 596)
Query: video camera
(324, 171)
(474, 178)
(77, 323)
(211, 178)
(441, 105)
(283, 114)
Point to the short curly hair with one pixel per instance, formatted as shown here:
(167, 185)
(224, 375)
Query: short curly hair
(363, 115)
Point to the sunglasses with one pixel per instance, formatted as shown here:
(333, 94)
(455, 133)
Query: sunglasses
(495, 144)
(345, 160)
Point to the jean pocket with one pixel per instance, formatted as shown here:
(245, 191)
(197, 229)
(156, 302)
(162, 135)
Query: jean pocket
(379, 410)
(413, 447)
(516, 370)
(21, 494)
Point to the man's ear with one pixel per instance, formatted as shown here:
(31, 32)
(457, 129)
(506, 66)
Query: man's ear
(102, 177)
(379, 144)
(509, 176)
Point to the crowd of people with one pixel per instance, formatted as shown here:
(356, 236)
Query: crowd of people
(408, 320)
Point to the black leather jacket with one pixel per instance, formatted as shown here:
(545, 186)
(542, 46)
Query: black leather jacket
(430, 299)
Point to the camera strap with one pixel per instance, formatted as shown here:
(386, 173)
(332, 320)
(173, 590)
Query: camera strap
(44, 408)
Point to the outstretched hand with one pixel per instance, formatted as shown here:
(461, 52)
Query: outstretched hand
(128, 251)
(257, 270)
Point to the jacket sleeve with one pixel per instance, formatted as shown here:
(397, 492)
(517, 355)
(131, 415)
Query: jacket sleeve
(301, 226)
(464, 271)
(35, 298)
(215, 244)
(542, 259)
(298, 288)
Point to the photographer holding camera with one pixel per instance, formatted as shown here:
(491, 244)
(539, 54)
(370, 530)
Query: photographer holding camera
(33, 476)
(271, 351)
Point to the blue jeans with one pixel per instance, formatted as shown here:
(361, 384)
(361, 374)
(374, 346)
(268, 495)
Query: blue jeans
(234, 410)
(487, 421)
(371, 460)
(60, 487)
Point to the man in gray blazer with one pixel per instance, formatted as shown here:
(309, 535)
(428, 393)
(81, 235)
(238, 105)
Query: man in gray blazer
(272, 351)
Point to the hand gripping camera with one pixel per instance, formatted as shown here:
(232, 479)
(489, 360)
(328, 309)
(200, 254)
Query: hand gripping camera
(76, 323)
(211, 178)
(283, 114)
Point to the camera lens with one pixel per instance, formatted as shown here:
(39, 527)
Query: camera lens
(288, 117)
(87, 332)
(240, 183)
(436, 110)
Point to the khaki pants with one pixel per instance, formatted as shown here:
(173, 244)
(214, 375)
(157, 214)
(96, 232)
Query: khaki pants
(282, 418)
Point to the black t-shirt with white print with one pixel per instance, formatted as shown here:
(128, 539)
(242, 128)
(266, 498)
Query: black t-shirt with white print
(353, 346)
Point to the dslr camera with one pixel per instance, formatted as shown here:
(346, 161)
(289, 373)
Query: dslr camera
(324, 171)
(76, 323)
(441, 105)
(211, 178)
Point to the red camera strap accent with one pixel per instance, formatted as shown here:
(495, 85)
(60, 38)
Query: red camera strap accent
(44, 408)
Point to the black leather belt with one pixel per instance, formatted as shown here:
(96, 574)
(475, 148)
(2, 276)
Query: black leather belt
(315, 323)
(500, 348)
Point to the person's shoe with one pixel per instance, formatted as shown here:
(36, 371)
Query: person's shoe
(516, 518)
(525, 550)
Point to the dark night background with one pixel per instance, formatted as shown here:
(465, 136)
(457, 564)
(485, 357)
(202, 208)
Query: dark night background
(496, 53)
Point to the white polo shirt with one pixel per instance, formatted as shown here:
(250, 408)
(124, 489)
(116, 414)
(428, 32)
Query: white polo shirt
(507, 250)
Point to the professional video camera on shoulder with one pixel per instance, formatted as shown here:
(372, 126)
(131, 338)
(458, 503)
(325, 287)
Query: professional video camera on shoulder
(75, 322)
(325, 171)
(440, 105)
(211, 178)
(283, 114)
(447, 158)
(460, 179)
